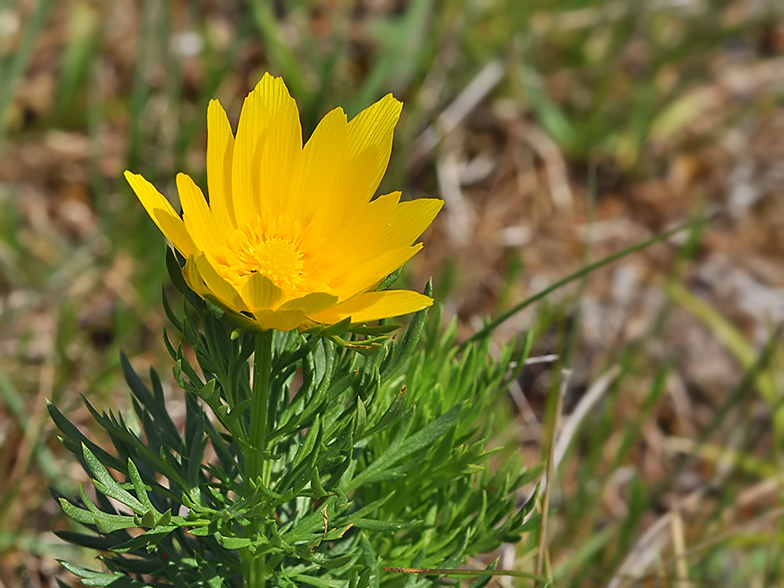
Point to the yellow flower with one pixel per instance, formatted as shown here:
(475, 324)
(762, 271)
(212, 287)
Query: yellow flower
(290, 235)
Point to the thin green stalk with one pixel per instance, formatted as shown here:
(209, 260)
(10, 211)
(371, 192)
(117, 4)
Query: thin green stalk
(576, 276)
(254, 567)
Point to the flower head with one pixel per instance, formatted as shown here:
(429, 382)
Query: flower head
(291, 235)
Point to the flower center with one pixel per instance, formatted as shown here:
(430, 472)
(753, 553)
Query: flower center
(251, 250)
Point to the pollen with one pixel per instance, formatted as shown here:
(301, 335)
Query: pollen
(252, 250)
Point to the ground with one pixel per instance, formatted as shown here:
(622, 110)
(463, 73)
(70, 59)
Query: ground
(556, 132)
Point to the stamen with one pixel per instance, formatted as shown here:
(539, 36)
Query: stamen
(253, 250)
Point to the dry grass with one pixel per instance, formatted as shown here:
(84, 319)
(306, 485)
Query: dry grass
(555, 136)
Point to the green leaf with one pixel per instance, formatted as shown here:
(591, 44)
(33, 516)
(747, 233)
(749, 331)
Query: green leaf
(154, 404)
(392, 414)
(361, 419)
(141, 488)
(390, 280)
(91, 577)
(169, 311)
(330, 563)
(410, 338)
(147, 539)
(75, 435)
(108, 523)
(315, 484)
(108, 486)
(400, 449)
(80, 515)
(233, 542)
(383, 526)
(306, 449)
(483, 581)
(315, 581)
(90, 541)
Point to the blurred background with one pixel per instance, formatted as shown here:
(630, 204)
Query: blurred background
(557, 132)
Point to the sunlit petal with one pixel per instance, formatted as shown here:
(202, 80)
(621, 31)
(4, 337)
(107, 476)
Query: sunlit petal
(292, 236)
(261, 293)
(161, 211)
(372, 271)
(311, 303)
(217, 285)
(220, 149)
(206, 232)
(280, 320)
(372, 306)
(375, 127)
(325, 158)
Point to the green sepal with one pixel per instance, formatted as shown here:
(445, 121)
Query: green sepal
(147, 521)
(206, 392)
(240, 322)
(217, 311)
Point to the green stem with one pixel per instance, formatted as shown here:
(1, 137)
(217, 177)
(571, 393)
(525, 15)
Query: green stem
(254, 566)
(262, 363)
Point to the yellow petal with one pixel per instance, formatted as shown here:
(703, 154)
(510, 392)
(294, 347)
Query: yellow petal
(325, 158)
(260, 293)
(162, 213)
(311, 303)
(372, 271)
(375, 126)
(280, 320)
(220, 147)
(363, 230)
(193, 277)
(372, 306)
(206, 232)
(218, 286)
(408, 222)
(255, 118)
(337, 208)
(280, 165)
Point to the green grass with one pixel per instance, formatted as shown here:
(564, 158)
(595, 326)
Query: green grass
(614, 88)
